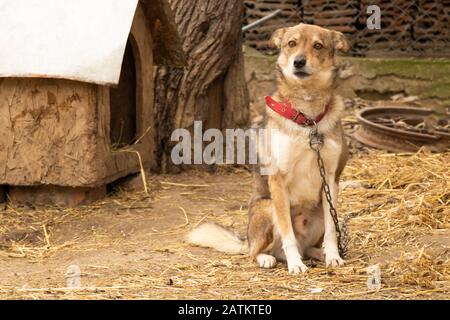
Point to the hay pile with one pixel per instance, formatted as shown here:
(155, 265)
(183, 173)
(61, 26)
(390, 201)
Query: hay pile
(405, 232)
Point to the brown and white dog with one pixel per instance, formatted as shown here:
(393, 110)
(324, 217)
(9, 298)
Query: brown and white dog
(288, 214)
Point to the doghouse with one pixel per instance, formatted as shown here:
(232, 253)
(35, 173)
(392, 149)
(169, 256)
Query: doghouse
(76, 94)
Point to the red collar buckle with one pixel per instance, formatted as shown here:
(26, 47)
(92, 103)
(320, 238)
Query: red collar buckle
(296, 115)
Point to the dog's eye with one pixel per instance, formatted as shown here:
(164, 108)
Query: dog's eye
(292, 43)
(318, 46)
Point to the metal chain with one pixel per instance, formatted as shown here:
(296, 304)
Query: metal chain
(351, 215)
(344, 227)
(316, 143)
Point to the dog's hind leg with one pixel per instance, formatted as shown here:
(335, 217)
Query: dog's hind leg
(315, 253)
(309, 230)
(260, 232)
(266, 260)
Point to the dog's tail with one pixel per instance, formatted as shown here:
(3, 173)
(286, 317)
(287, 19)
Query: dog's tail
(212, 235)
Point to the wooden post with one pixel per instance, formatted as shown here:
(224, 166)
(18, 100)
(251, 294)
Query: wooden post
(212, 86)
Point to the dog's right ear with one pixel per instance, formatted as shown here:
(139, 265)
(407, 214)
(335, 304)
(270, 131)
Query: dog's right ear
(277, 37)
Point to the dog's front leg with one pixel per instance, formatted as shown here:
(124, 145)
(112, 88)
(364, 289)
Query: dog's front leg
(332, 257)
(282, 215)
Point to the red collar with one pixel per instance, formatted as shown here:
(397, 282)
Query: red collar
(286, 110)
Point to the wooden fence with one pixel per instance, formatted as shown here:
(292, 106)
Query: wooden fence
(408, 27)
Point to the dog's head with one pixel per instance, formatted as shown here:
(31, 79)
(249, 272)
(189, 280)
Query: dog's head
(307, 52)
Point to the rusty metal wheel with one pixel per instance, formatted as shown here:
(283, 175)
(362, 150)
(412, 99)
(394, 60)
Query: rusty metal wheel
(402, 129)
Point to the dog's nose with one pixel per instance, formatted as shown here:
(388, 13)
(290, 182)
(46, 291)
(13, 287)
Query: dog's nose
(299, 62)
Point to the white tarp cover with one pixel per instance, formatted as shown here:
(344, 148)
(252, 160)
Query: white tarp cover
(72, 39)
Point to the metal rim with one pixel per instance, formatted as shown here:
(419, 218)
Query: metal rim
(362, 114)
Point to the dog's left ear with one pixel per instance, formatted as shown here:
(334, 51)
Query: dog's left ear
(340, 42)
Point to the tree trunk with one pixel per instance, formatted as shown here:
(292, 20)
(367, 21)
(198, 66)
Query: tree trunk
(212, 87)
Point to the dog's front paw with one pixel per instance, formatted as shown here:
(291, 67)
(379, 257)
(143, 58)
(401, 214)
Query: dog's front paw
(266, 261)
(334, 260)
(297, 267)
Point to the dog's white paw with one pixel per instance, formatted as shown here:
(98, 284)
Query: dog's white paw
(293, 259)
(296, 268)
(334, 261)
(266, 261)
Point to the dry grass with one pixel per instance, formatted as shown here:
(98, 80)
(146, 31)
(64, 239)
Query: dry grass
(406, 232)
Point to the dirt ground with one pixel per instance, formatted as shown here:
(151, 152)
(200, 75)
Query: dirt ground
(131, 246)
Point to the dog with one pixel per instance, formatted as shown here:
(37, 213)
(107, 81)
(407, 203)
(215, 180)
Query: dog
(289, 217)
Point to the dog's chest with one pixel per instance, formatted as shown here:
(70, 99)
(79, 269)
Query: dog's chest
(294, 159)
